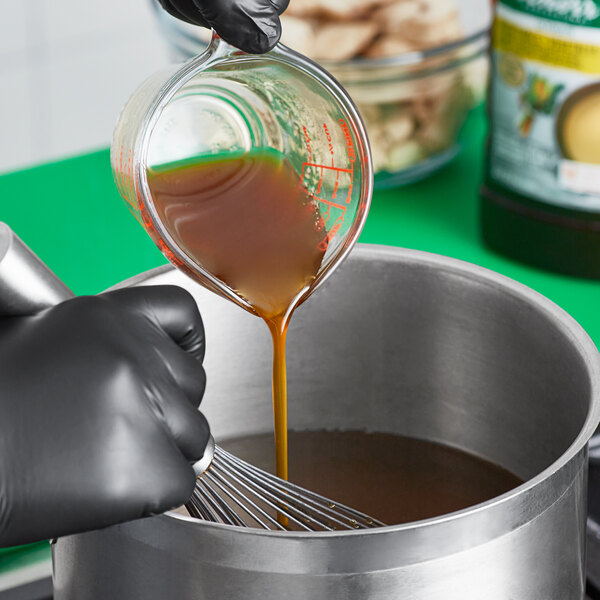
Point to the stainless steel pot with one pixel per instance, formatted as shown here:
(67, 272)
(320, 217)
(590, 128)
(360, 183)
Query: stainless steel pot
(404, 342)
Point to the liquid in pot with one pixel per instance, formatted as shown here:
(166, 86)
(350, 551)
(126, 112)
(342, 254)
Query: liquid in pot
(393, 478)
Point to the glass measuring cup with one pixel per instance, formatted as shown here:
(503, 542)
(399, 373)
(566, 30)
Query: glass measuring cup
(228, 104)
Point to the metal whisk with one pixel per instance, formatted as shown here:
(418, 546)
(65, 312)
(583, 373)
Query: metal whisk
(233, 492)
(228, 490)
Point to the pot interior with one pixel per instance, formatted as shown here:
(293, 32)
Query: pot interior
(429, 349)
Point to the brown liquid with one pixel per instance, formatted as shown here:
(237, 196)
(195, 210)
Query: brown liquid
(392, 478)
(249, 222)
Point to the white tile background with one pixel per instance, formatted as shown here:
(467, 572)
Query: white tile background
(66, 69)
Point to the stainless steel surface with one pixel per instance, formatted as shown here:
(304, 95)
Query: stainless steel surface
(403, 342)
(594, 448)
(39, 589)
(233, 492)
(27, 285)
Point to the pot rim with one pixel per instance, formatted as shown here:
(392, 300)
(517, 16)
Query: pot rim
(562, 320)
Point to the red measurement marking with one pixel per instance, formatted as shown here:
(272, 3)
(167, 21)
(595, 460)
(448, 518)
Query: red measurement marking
(349, 196)
(326, 214)
(351, 155)
(307, 142)
(337, 182)
(167, 252)
(329, 141)
(322, 168)
(320, 184)
(349, 141)
(331, 234)
(330, 203)
(146, 220)
(132, 205)
(331, 168)
(337, 178)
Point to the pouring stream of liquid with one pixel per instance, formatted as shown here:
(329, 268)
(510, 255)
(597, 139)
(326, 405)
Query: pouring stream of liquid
(278, 333)
(249, 222)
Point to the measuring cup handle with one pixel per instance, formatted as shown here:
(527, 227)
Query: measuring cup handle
(27, 285)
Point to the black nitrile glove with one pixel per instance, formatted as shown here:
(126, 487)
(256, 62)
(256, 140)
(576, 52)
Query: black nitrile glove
(250, 25)
(98, 412)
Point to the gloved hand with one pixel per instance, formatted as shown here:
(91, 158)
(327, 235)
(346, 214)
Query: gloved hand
(250, 25)
(98, 412)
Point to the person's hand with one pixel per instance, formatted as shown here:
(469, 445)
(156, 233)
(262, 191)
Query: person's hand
(250, 25)
(98, 412)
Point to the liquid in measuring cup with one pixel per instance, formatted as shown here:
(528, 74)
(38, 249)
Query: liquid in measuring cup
(249, 221)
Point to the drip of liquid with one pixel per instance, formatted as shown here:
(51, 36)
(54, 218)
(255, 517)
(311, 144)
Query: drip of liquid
(248, 221)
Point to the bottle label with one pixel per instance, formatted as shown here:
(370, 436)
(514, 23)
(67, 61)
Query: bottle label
(545, 104)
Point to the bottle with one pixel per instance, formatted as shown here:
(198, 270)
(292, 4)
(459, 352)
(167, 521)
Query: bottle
(540, 200)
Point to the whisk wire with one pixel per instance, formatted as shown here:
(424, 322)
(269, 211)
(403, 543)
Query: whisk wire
(340, 513)
(289, 504)
(233, 492)
(200, 503)
(219, 506)
(265, 497)
(197, 508)
(221, 483)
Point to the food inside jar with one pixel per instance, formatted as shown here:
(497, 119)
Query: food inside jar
(414, 111)
(337, 30)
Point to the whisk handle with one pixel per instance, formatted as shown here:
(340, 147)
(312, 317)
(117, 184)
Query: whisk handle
(27, 285)
(202, 465)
